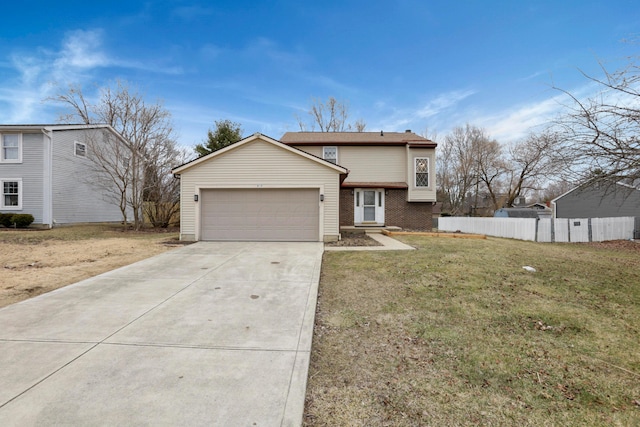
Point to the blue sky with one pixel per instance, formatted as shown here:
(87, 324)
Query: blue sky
(405, 64)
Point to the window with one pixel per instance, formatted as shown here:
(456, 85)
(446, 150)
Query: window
(11, 148)
(11, 196)
(422, 172)
(80, 149)
(330, 154)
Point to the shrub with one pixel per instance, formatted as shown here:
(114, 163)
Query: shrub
(16, 220)
(22, 220)
(5, 219)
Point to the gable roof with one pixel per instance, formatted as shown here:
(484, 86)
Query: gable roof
(627, 187)
(54, 127)
(357, 138)
(58, 127)
(257, 136)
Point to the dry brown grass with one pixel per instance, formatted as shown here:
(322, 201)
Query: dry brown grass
(457, 333)
(33, 262)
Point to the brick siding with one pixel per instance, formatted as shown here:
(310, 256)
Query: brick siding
(346, 207)
(398, 212)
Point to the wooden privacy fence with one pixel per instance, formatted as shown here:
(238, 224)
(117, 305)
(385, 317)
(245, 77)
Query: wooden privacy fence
(545, 229)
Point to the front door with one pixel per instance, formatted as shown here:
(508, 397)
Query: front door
(368, 206)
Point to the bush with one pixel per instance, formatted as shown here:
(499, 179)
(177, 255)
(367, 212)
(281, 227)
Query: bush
(22, 220)
(16, 220)
(5, 219)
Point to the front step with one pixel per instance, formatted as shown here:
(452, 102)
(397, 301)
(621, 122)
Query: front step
(368, 229)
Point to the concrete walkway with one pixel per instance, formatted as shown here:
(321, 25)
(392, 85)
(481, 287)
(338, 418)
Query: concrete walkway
(215, 334)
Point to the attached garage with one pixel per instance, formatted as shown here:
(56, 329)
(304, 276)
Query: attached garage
(273, 214)
(259, 189)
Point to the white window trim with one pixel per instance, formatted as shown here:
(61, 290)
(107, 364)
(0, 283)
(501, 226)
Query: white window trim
(415, 172)
(358, 206)
(2, 159)
(75, 149)
(330, 146)
(11, 208)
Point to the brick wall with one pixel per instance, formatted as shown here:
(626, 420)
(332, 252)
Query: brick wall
(398, 212)
(413, 216)
(346, 206)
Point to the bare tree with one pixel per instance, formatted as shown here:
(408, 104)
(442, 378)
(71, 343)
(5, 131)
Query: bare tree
(457, 168)
(477, 175)
(491, 167)
(532, 163)
(149, 140)
(162, 189)
(555, 189)
(600, 135)
(330, 116)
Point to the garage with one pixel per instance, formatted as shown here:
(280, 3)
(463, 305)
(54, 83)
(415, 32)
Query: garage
(259, 189)
(282, 214)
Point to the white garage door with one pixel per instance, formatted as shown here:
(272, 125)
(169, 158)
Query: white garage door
(260, 214)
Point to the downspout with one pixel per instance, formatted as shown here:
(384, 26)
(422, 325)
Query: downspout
(47, 178)
(553, 221)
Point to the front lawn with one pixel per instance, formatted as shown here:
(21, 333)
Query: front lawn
(34, 261)
(458, 333)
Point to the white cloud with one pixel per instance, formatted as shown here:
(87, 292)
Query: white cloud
(513, 124)
(83, 50)
(438, 108)
(442, 102)
(34, 75)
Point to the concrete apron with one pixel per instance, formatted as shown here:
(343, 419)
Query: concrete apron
(208, 334)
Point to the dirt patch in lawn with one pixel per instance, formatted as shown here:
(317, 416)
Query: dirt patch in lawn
(33, 262)
(354, 239)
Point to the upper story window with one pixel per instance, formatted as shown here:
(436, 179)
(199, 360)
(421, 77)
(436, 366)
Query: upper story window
(422, 171)
(11, 151)
(80, 149)
(11, 194)
(330, 154)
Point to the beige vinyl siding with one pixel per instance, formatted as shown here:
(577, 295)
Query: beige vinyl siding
(369, 164)
(421, 194)
(258, 164)
(316, 151)
(77, 197)
(30, 172)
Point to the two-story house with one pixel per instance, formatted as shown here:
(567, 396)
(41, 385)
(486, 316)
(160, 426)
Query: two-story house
(307, 186)
(45, 171)
(391, 178)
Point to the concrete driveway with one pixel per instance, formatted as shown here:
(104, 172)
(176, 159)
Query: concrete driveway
(208, 334)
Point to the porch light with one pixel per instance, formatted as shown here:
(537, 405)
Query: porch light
(322, 197)
(195, 197)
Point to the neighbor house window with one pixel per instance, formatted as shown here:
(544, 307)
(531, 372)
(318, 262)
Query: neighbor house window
(330, 154)
(11, 148)
(80, 149)
(422, 171)
(11, 196)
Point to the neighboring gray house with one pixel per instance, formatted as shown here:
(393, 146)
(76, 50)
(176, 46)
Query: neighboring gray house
(597, 199)
(45, 171)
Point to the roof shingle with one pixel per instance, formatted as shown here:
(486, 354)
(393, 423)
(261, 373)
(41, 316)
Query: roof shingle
(356, 138)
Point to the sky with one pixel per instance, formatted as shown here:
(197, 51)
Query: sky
(428, 66)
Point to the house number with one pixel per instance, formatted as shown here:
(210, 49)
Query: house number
(259, 185)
